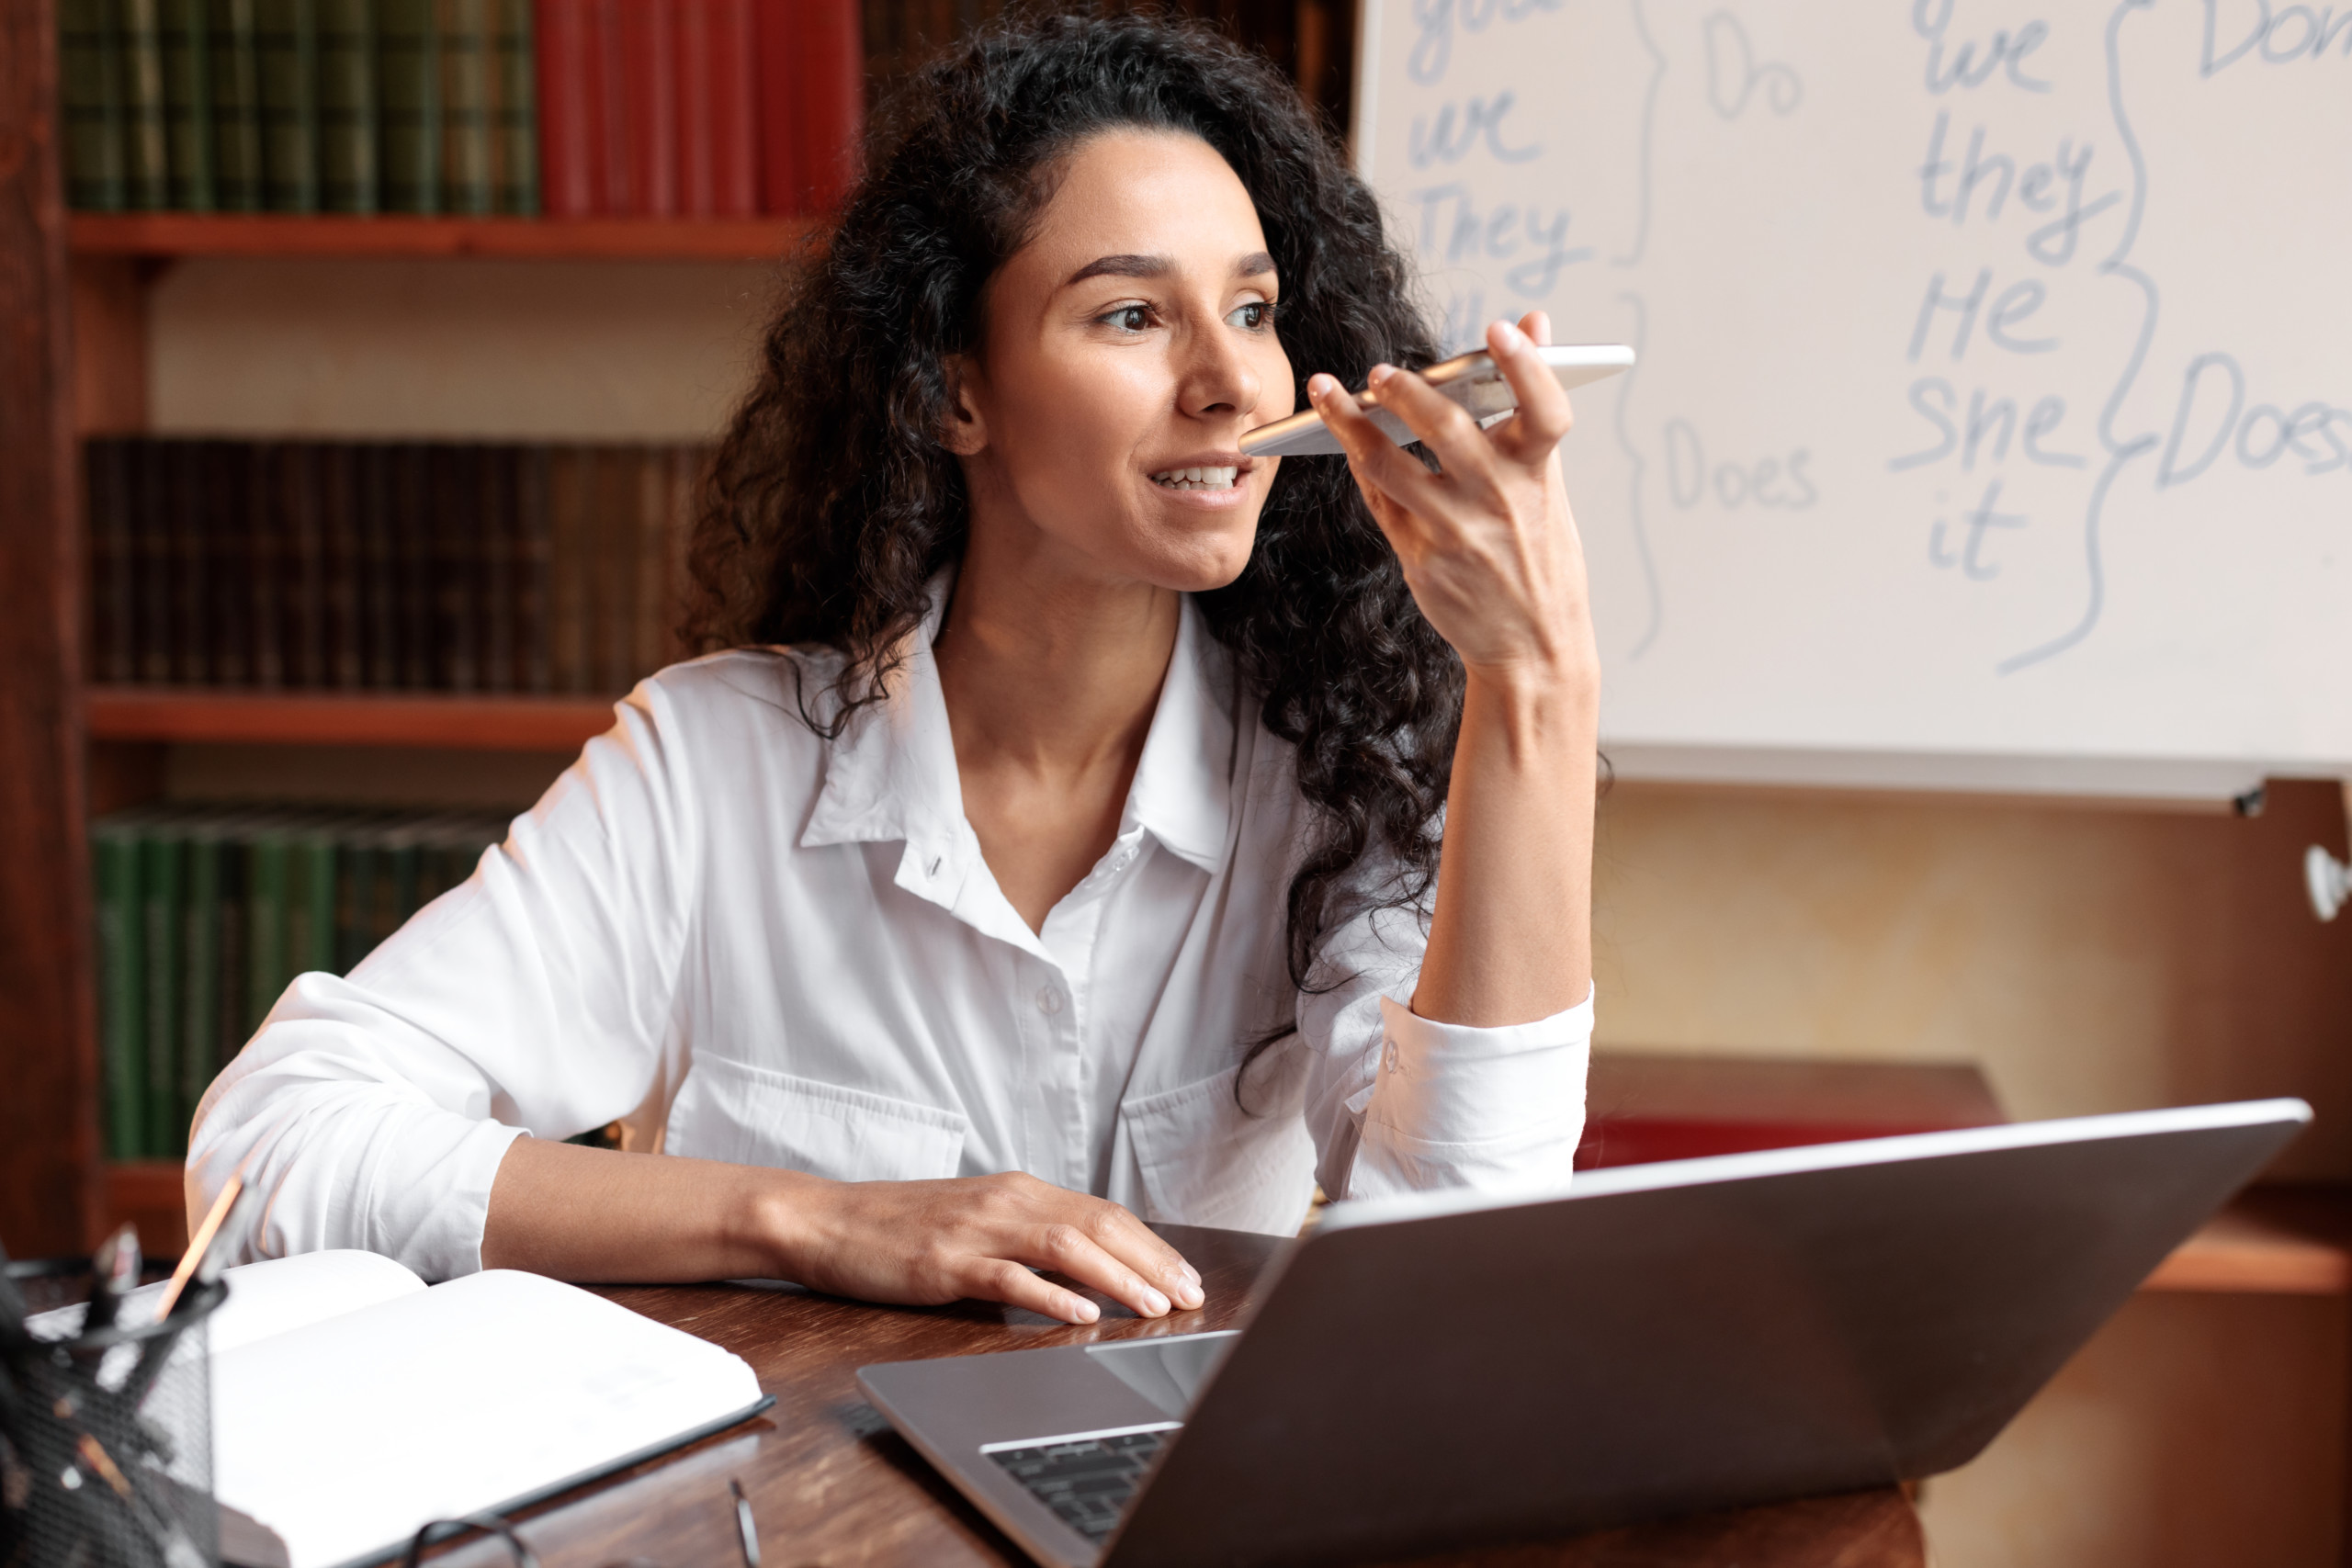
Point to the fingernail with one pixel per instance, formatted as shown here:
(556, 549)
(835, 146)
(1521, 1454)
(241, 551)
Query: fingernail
(1087, 1310)
(1155, 1302)
(1189, 1296)
(1320, 386)
(1380, 373)
(1189, 1272)
(1512, 337)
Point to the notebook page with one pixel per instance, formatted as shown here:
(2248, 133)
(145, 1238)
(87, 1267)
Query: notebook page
(285, 1293)
(345, 1436)
(265, 1298)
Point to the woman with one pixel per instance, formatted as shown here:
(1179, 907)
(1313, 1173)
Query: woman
(1061, 841)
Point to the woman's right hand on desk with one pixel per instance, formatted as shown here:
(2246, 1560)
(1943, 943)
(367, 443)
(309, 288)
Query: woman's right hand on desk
(579, 1214)
(929, 1242)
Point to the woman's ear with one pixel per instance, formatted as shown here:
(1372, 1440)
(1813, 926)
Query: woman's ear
(967, 431)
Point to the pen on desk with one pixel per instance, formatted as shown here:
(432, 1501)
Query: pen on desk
(746, 1527)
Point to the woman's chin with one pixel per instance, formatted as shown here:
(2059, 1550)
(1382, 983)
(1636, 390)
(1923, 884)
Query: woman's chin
(1197, 561)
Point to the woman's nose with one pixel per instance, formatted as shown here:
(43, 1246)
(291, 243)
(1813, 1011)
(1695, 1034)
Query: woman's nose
(1218, 375)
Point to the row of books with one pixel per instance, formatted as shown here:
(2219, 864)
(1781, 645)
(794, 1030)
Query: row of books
(299, 106)
(379, 565)
(206, 914)
(700, 108)
(691, 108)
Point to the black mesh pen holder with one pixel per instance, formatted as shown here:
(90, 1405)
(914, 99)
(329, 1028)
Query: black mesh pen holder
(106, 1435)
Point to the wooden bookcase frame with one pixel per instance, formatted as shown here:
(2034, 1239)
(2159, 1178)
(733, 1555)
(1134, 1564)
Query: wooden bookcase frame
(49, 1128)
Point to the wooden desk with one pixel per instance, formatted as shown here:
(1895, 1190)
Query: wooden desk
(833, 1486)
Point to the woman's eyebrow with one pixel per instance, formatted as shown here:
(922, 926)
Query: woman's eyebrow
(1257, 263)
(1123, 267)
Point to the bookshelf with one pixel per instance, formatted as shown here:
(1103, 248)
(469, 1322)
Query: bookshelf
(74, 291)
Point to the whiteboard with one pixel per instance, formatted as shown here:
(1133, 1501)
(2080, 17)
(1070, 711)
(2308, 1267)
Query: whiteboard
(1992, 423)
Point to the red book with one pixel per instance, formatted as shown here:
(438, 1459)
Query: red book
(566, 164)
(698, 195)
(648, 40)
(832, 101)
(608, 107)
(733, 114)
(775, 37)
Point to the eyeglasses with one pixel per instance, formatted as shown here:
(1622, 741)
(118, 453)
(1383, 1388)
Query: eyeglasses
(746, 1531)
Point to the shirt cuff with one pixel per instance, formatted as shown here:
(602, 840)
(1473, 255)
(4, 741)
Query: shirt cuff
(1498, 1110)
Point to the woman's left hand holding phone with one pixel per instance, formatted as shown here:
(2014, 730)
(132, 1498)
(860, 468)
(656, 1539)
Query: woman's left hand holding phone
(1491, 554)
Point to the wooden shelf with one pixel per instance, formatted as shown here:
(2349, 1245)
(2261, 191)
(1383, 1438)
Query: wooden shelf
(319, 718)
(162, 235)
(2272, 1241)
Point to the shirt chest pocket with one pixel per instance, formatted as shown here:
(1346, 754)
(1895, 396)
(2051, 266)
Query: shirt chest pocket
(752, 1115)
(1207, 1160)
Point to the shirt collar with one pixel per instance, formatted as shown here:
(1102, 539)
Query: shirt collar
(891, 776)
(1182, 794)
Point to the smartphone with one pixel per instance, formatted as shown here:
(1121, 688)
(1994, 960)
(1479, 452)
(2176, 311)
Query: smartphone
(1470, 379)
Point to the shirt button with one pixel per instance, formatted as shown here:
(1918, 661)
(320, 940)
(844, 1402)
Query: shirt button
(1394, 1063)
(1049, 1000)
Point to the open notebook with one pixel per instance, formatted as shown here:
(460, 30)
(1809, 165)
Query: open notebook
(351, 1404)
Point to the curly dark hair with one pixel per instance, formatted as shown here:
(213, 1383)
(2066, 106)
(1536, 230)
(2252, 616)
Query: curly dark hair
(832, 503)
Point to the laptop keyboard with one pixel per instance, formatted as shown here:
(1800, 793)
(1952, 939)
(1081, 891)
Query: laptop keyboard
(1085, 1480)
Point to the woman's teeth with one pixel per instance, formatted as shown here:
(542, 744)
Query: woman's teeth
(1195, 479)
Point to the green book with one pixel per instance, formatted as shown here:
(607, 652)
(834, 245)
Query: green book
(408, 102)
(89, 59)
(163, 856)
(235, 51)
(357, 857)
(285, 42)
(466, 186)
(146, 163)
(235, 967)
(200, 1054)
(310, 898)
(265, 874)
(402, 875)
(187, 103)
(122, 1011)
(347, 130)
(514, 110)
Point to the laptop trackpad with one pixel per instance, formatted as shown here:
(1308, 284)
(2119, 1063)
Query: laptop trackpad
(1170, 1372)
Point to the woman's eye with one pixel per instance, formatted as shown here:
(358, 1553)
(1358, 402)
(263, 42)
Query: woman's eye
(1256, 316)
(1130, 318)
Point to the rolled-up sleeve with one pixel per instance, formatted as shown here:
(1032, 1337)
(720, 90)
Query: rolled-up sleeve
(372, 1112)
(1401, 1103)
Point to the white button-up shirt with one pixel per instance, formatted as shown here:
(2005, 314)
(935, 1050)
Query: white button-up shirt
(746, 943)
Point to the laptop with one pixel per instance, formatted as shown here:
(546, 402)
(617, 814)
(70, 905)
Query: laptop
(1442, 1370)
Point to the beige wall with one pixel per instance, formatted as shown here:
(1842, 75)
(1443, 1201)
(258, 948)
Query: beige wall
(2093, 960)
